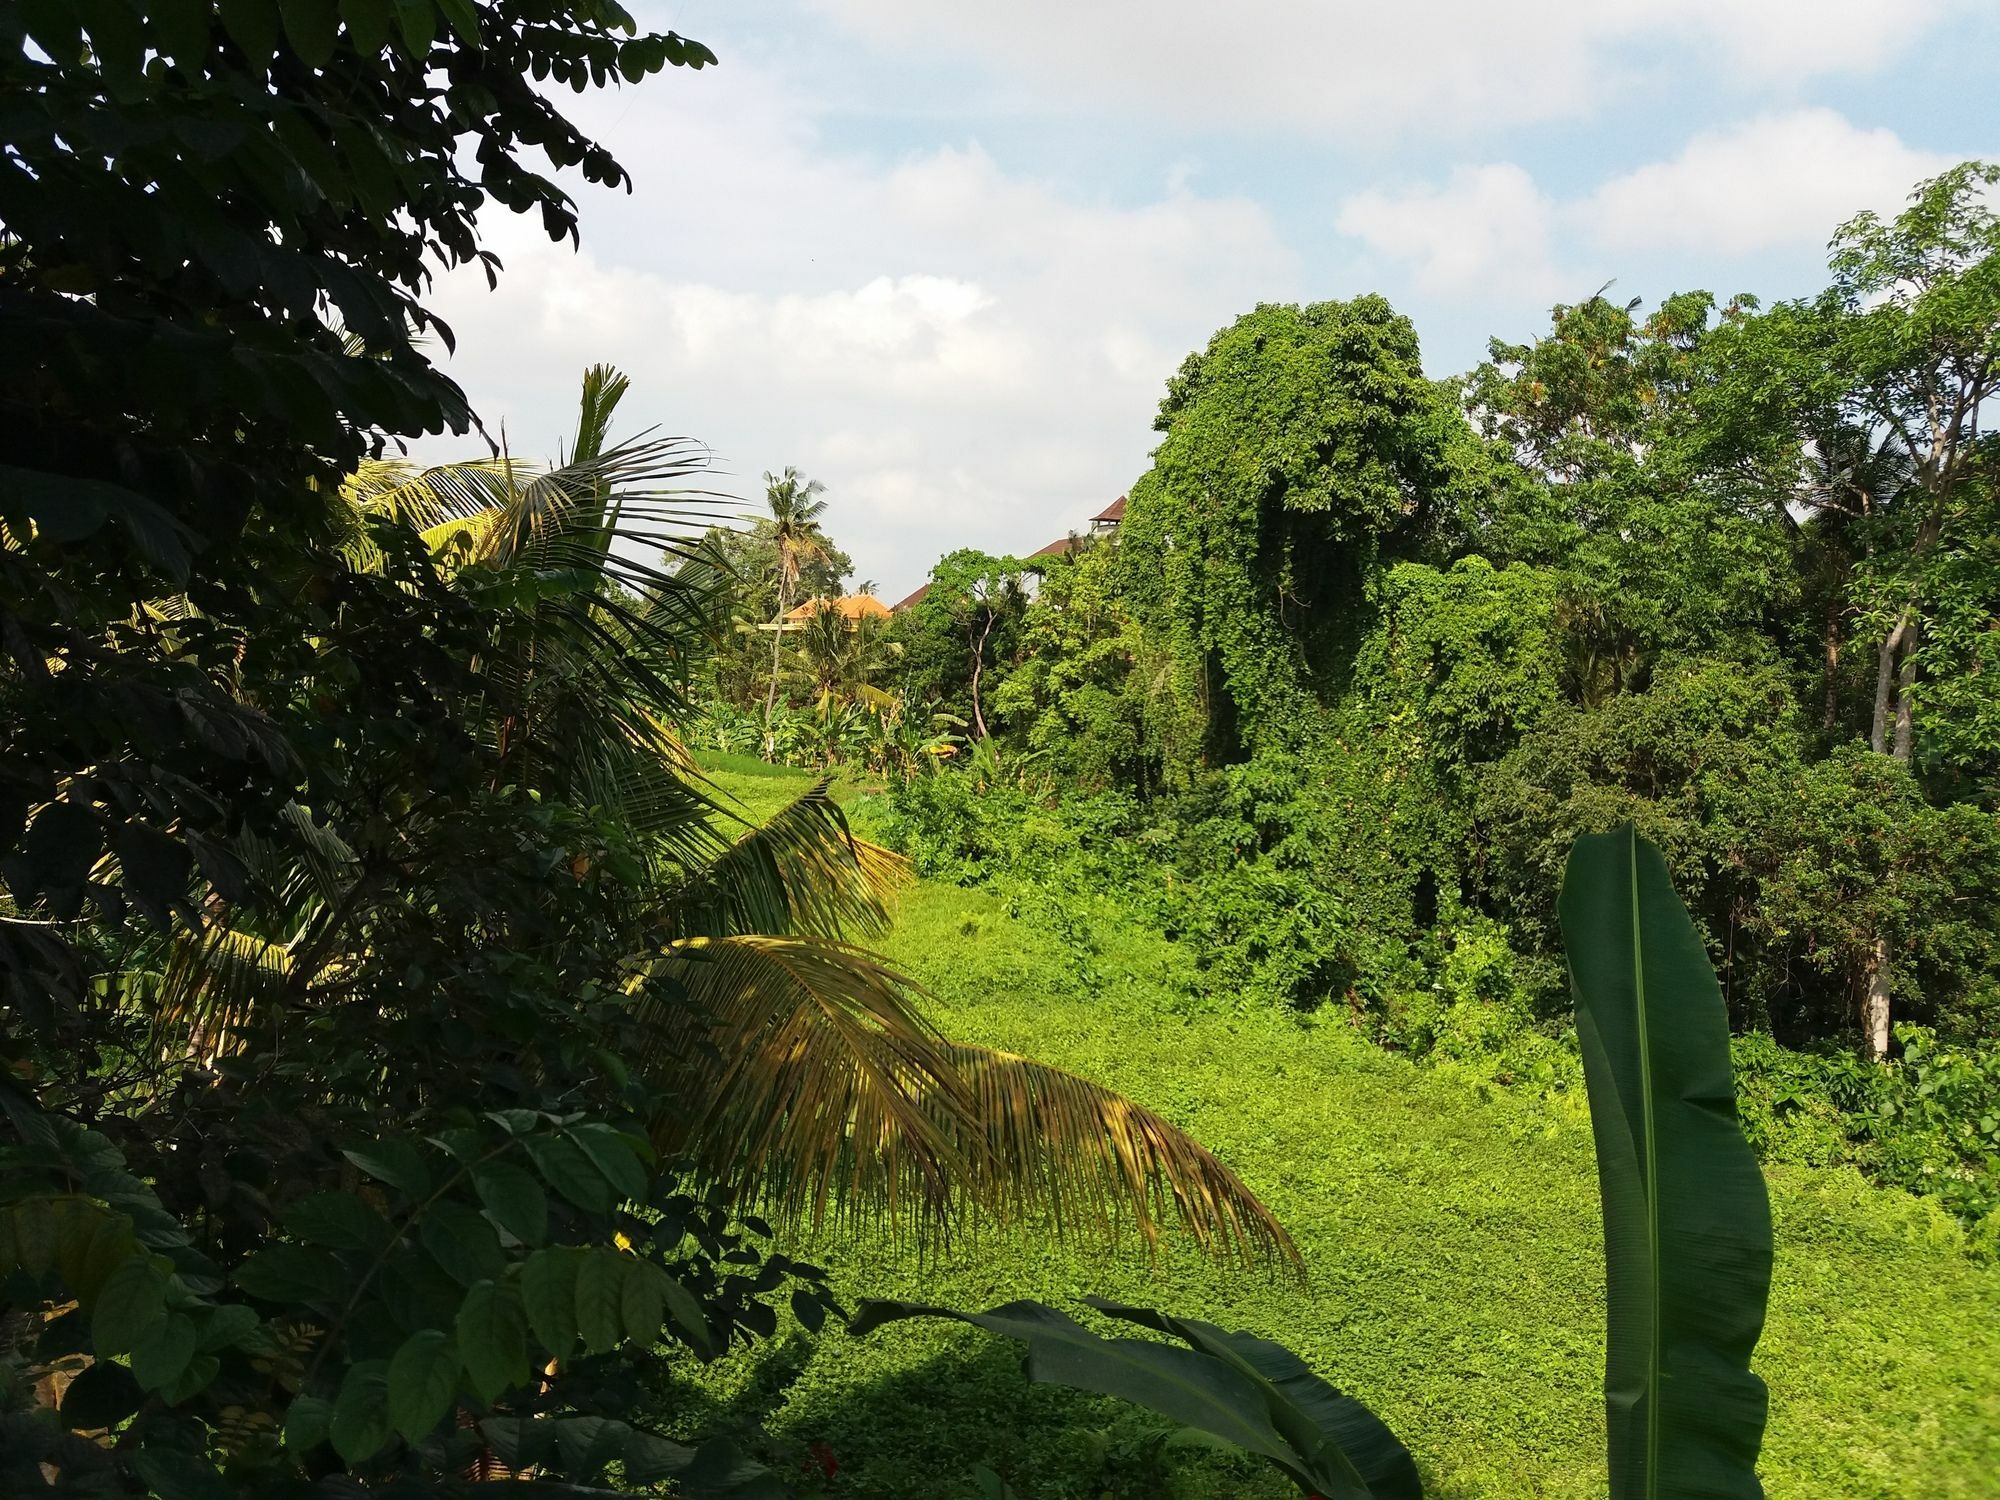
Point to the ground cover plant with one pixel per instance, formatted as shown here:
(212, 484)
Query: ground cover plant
(1450, 1228)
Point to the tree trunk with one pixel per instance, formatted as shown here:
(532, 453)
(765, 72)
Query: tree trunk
(1875, 1001)
(771, 692)
(1830, 707)
(1906, 682)
(1885, 683)
(978, 665)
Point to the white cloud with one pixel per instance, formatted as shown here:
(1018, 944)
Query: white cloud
(964, 356)
(1486, 230)
(1769, 181)
(1776, 183)
(1430, 64)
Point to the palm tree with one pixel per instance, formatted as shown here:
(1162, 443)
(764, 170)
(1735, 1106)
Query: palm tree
(836, 660)
(795, 509)
(795, 1069)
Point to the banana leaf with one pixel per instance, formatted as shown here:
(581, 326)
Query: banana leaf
(1687, 1225)
(1245, 1390)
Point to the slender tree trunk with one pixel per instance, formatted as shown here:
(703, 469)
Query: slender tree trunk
(1885, 683)
(978, 665)
(771, 691)
(1906, 682)
(1875, 1001)
(1888, 680)
(1830, 707)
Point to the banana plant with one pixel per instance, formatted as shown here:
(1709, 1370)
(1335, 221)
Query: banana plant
(1687, 1235)
(1687, 1225)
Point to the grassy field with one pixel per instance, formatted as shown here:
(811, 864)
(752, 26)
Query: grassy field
(1452, 1241)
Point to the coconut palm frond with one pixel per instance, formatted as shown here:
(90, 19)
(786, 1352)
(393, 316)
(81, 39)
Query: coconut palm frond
(214, 982)
(801, 872)
(636, 492)
(1089, 1161)
(801, 1074)
(824, 1096)
(428, 498)
(604, 387)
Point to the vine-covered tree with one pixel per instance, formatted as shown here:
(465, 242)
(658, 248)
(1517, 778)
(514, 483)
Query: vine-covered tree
(1303, 448)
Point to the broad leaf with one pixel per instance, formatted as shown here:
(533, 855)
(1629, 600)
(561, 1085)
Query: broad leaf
(515, 1200)
(1184, 1385)
(1687, 1226)
(130, 1305)
(1310, 1412)
(360, 1424)
(548, 1295)
(291, 1273)
(340, 1221)
(423, 1378)
(493, 1339)
(600, 1299)
(161, 1355)
(397, 1163)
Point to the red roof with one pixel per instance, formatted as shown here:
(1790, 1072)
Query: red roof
(911, 600)
(1058, 548)
(1115, 511)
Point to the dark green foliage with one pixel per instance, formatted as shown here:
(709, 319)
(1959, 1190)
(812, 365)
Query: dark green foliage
(1304, 448)
(312, 1016)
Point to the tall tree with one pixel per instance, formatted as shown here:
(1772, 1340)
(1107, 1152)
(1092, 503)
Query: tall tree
(1875, 390)
(795, 510)
(1303, 446)
(971, 593)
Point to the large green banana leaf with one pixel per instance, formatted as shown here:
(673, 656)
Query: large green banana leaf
(1234, 1386)
(1315, 1417)
(1687, 1226)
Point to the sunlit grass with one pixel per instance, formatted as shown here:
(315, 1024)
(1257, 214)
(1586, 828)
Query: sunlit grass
(1453, 1240)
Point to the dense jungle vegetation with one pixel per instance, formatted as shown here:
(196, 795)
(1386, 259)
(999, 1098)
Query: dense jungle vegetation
(1370, 649)
(497, 962)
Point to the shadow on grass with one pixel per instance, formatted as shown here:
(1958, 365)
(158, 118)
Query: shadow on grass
(896, 1430)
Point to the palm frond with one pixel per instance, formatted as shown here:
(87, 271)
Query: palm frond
(819, 1091)
(214, 983)
(1086, 1159)
(800, 872)
(800, 1073)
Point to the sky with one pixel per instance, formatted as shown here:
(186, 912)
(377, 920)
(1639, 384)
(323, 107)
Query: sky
(942, 257)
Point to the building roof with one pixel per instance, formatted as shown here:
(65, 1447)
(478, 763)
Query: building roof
(911, 601)
(1115, 511)
(1061, 546)
(851, 607)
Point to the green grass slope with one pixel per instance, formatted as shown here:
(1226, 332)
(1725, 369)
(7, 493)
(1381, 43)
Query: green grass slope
(1452, 1241)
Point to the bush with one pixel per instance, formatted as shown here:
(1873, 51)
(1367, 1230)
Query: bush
(1929, 1123)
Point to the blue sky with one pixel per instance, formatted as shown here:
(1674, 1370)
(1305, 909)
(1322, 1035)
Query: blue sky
(943, 256)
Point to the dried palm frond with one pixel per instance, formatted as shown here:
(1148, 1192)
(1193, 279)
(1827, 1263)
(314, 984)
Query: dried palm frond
(805, 1079)
(798, 1065)
(1063, 1149)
